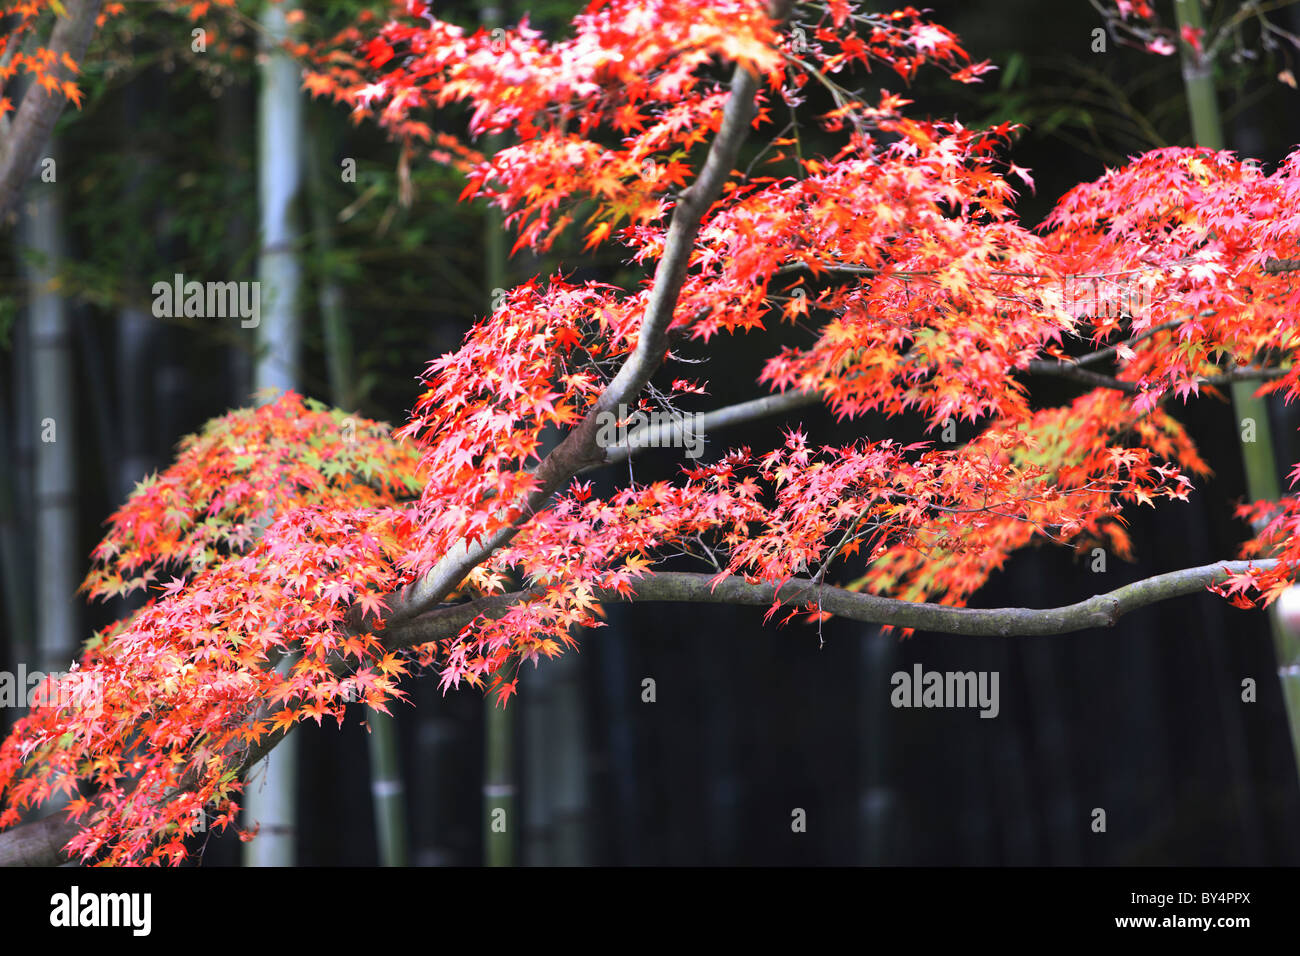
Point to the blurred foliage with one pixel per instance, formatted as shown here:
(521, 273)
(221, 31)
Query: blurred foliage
(158, 183)
(1115, 104)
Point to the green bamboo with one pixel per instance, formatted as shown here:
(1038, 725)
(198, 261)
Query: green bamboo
(272, 798)
(55, 487)
(1257, 456)
(499, 796)
(499, 791)
(499, 799)
(388, 790)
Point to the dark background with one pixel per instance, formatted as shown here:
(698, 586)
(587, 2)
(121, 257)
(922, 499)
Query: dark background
(751, 721)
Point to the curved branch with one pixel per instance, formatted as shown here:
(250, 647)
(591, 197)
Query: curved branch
(39, 843)
(1100, 610)
(652, 436)
(1111, 351)
(1278, 266)
(30, 843)
(1071, 370)
(34, 121)
(579, 449)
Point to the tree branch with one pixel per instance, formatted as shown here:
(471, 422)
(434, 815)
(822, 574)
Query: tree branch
(1071, 370)
(34, 121)
(652, 436)
(1278, 266)
(39, 843)
(1101, 610)
(579, 448)
(1111, 350)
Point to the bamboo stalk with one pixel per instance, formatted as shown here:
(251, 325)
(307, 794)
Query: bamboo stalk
(1257, 456)
(500, 799)
(499, 796)
(272, 799)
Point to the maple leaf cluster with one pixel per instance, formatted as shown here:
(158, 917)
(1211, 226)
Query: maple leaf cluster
(283, 525)
(47, 69)
(41, 64)
(931, 297)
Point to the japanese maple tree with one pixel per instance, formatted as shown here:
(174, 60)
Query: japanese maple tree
(457, 543)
